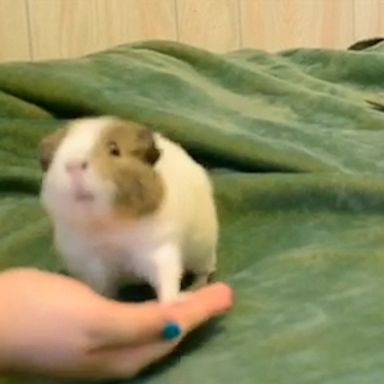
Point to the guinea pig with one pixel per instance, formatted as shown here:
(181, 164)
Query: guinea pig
(128, 205)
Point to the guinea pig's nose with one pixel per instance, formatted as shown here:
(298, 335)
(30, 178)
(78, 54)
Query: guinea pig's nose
(76, 165)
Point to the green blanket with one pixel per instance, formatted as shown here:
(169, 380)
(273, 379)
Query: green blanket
(295, 144)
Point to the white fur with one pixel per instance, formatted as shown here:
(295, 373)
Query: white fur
(57, 190)
(181, 235)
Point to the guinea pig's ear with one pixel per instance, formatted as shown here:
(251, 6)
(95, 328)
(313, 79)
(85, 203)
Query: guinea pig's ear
(153, 154)
(48, 147)
(147, 148)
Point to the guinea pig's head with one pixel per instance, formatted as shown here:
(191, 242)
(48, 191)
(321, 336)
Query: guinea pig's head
(98, 167)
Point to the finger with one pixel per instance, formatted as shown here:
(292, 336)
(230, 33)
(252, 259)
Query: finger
(201, 305)
(134, 324)
(129, 361)
(129, 324)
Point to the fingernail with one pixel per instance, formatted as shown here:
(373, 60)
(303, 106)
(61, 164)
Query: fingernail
(171, 331)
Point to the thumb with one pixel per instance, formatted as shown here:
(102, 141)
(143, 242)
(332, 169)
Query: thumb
(125, 325)
(200, 306)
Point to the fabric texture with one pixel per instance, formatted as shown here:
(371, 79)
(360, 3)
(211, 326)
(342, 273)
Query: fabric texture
(295, 145)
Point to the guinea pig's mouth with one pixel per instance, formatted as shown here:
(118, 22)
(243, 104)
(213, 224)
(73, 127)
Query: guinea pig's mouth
(80, 191)
(81, 195)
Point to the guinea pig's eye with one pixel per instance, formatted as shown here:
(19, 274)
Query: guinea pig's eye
(113, 149)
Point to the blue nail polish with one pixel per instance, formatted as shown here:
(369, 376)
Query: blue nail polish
(171, 331)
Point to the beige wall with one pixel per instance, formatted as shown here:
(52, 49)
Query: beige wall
(41, 29)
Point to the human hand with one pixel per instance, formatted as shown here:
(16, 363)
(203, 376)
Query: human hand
(56, 326)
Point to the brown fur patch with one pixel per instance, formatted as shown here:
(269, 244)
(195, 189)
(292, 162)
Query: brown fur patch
(125, 154)
(48, 146)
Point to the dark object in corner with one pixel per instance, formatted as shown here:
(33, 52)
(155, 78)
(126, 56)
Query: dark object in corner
(376, 105)
(363, 44)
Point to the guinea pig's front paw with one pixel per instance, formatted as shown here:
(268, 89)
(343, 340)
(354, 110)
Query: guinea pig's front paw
(179, 298)
(182, 296)
(168, 299)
